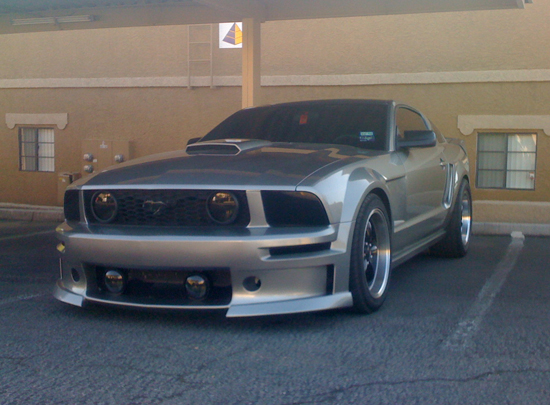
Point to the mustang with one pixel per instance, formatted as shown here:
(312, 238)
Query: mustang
(285, 208)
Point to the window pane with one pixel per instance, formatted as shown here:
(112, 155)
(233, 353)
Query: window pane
(490, 179)
(408, 120)
(492, 160)
(520, 180)
(492, 142)
(28, 135)
(45, 135)
(46, 165)
(521, 161)
(28, 163)
(46, 150)
(522, 143)
(28, 150)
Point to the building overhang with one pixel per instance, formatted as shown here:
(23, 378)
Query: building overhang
(49, 15)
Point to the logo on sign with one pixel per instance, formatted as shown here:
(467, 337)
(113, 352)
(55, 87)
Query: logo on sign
(231, 35)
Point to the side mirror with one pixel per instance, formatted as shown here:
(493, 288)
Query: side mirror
(418, 139)
(193, 140)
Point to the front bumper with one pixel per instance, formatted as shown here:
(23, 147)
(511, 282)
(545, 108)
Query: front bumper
(300, 269)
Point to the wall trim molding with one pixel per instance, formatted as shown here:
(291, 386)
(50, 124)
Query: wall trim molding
(60, 120)
(488, 76)
(467, 124)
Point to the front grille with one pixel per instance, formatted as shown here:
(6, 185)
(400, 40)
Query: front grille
(185, 208)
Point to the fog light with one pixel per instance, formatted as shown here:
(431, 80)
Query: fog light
(197, 286)
(252, 284)
(115, 282)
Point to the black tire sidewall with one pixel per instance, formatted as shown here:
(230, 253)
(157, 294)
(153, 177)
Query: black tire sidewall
(451, 245)
(363, 301)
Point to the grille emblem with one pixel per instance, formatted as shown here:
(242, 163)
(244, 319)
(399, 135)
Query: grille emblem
(155, 207)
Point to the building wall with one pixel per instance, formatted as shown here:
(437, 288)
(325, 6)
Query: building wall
(130, 84)
(152, 120)
(440, 42)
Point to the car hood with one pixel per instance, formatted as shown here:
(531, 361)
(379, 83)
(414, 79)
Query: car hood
(239, 164)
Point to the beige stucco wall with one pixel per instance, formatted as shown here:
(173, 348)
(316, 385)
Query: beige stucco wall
(130, 83)
(484, 40)
(439, 42)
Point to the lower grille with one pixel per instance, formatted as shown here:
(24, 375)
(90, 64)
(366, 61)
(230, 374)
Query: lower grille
(165, 208)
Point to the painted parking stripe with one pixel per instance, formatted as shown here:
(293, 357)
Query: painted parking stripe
(19, 298)
(469, 325)
(26, 235)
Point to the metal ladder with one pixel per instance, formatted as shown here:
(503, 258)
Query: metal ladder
(199, 52)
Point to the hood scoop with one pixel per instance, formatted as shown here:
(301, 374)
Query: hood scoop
(226, 147)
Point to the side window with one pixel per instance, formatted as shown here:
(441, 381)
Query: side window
(36, 149)
(408, 120)
(506, 160)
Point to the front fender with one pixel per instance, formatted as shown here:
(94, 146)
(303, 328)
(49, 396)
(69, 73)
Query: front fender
(342, 192)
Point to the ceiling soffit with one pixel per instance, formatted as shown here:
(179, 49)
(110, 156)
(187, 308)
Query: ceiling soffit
(126, 13)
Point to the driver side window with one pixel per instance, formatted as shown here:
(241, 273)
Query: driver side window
(408, 120)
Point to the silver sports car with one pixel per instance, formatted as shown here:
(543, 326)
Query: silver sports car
(284, 208)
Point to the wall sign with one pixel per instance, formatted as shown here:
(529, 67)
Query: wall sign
(231, 35)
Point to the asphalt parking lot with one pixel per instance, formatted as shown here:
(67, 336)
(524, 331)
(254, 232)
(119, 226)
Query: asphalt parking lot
(468, 331)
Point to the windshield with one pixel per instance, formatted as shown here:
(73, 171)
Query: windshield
(363, 125)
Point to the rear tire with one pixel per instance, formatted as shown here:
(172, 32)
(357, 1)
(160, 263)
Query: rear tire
(457, 240)
(370, 261)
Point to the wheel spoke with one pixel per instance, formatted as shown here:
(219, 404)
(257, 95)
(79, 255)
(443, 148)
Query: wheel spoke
(370, 255)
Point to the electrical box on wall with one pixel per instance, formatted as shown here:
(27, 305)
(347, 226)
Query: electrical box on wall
(100, 154)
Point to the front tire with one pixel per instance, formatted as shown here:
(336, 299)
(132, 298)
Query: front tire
(370, 263)
(457, 240)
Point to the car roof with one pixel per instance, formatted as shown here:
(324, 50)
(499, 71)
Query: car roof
(352, 101)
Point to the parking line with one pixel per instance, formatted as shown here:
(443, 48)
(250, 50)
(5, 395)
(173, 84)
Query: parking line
(11, 237)
(468, 326)
(19, 298)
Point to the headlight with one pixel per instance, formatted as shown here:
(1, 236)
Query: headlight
(293, 208)
(222, 207)
(104, 206)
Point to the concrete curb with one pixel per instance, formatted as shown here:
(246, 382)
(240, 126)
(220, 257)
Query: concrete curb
(20, 212)
(506, 228)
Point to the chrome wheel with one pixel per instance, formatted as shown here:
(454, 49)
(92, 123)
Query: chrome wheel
(466, 217)
(376, 253)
